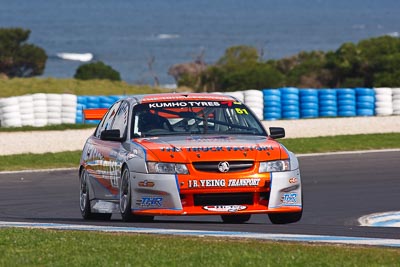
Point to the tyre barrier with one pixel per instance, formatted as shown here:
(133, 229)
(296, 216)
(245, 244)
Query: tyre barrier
(396, 101)
(383, 101)
(255, 101)
(272, 104)
(309, 103)
(346, 102)
(267, 104)
(290, 103)
(327, 101)
(365, 102)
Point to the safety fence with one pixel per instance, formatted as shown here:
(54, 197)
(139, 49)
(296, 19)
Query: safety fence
(268, 104)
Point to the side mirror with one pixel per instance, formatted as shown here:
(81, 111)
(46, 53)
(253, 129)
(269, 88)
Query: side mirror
(276, 132)
(111, 135)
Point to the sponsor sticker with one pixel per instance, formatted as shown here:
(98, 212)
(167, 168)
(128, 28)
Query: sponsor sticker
(212, 149)
(181, 104)
(223, 183)
(225, 208)
(289, 198)
(293, 180)
(146, 183)
(150, 202)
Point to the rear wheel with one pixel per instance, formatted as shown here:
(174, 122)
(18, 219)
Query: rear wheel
(125, 200)
(241, 218)
(84, 201)
(284, 218)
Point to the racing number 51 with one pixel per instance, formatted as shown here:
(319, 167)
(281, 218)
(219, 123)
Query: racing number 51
(241, 111)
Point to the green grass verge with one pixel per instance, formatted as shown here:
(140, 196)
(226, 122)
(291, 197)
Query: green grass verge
(298, 145)
(27, 247)
(67, 159)
(58, 127)
(22, 86)
(342, 143)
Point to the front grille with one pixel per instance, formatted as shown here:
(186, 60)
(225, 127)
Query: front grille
(223, 199)
(212, 166)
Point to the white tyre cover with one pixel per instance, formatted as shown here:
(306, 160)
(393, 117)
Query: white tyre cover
(252, 105)
(68, 99)
(26, 111)
(39, 97)
(53, 121)
(384, 111)
(383, 91)
(68, 116)
(40, 122)
(25, 99)
(26, 105)
(253, 92)
(11, 115)
(40, 115)
(40, 103)
(66, 109)
(29, 116)
(383, 105)
(68, 120)
(383, 98)
(54, 97)
(396, 103)
(254, 99)
(9, 101)
(54, 109)
(40, 109)
(54, 103)
(53, 115)
(11, 123)
(27, 122)
(10, 108)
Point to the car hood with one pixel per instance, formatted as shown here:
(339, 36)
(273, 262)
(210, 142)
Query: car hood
(186, 149)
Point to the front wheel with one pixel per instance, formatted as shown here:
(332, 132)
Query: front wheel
(125, 200)
(284, 218)
(84, 201)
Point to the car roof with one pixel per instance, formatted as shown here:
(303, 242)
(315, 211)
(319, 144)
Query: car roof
(167, 97)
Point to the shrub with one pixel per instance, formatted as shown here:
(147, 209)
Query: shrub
(96, 70)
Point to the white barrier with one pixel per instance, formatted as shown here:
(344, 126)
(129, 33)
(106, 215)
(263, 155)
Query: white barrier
(383, 101)
(396, 101)
(254, 99)
(68, 110)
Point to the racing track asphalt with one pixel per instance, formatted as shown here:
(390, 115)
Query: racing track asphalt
(338, 189)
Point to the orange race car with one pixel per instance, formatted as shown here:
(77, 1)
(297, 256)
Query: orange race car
(187, 154)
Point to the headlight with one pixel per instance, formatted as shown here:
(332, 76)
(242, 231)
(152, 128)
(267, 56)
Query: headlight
(164, 167)
(275, 166)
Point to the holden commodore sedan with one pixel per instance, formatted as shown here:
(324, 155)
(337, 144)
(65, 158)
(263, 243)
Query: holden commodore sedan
(187, 154)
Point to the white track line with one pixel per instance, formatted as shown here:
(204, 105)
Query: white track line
(383, 219)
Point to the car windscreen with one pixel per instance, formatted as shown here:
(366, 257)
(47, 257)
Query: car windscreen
(194, 117)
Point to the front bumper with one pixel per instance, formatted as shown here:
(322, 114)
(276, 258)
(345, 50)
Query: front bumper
(165, 194)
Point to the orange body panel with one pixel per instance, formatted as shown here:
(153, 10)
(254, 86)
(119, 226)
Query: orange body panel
(94, 114)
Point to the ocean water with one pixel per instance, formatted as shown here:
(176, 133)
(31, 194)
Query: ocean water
(127, 34)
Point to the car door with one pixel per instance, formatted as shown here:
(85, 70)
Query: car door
(106, 169)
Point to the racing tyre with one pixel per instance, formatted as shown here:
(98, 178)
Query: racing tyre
(84, 201)
(241, 218)
(125, 200)
(284, 218)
